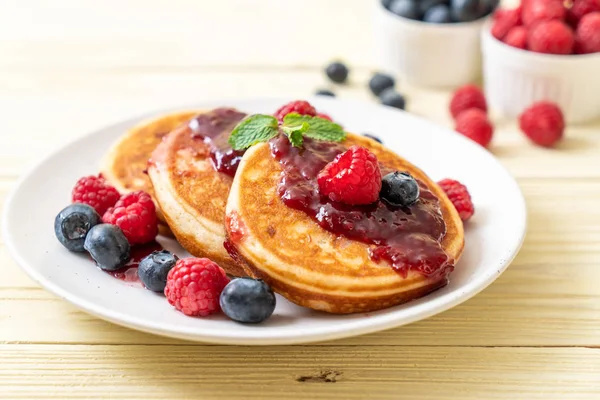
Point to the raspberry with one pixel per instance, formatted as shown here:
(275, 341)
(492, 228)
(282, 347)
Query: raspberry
(587, 35)
(551, 37)
(468, 96)
(504, 21)
(535, 11)
(581, 8)
(135, 214)
(353, 177)
(459, 196)
(543, 123)
(517, 37)
(194, 286)
(299, 106)
(95, 192)
(324, 116)
(474, 124)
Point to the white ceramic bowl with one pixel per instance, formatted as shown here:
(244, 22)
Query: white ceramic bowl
(515, 78)
(435, 55)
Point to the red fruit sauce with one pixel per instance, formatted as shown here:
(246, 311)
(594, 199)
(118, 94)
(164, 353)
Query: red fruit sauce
(214, 128)
(406, 237)
(128, 272)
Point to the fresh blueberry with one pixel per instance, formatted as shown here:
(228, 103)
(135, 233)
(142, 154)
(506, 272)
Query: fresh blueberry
(337, 72)
(386, 3)
(108, 246)
(399, 189)
(325, 92)
(427, 4)
(406, 8)
(73, 223)
(379, 82)
(375, 138)
(247, 300)
(391, 98)
(439, 14)
(153, 269)
(466, 10)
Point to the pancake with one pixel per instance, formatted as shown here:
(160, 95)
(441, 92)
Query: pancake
(188, 189)
(311, 266)
(124, 166)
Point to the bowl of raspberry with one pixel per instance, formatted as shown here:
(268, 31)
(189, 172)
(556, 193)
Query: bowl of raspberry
(434, 43)
(544, 50)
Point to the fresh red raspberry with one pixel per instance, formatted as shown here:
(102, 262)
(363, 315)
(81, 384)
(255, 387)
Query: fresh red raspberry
(474, 124)
(517, 37)
(135, 214)
(581, 8)
(353, 177)
(95, 192)
(535, 11)
(587, 35)
(324, 116)
(505, 20)
(543, 123)
(459, 196)
(551, 37)
(194, 286)
(465, 97)
(299, 106)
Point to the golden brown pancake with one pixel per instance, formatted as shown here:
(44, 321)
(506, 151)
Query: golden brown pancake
(311, 266)
(125, 164)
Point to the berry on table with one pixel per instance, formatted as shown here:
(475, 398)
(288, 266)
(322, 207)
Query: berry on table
(474, 124)
(379, 82)
(390, 97)
(194, 286)
(73, 223)
(325, 92)
(154, 268)
(135, 214)
(353, 177)
(371, 136)
(465, 97)
(517, 37)
(581, 8)
(535, 11)
(543, 123)
(108, 246)
(399, 189)
(587, 35)
(504, 20)
(298, 106)
(337, 72)
(96, 192)
(459, 196)
(439, 14)
(406, 8)
(247, 300)
(551, 37)
(466, 10)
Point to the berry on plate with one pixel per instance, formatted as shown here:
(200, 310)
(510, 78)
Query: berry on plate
(353, 177)
(325, 92)
(551, 37)
(504, 20)
(194, 286)
(466, 97)
(390, 97)
(535, 11)
(73, 223)
(96, 192)
(399, 189)
(299, 106)
(379, 82)
(474, 124)
(108, 246)
(337, 72)
(135, 214)
(459, 196)
(543, 123)
(247, 300)
(154, 268)
(517, 37)
(587, 35)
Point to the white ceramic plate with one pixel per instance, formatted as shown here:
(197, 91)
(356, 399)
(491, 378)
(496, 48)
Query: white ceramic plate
(493, 237)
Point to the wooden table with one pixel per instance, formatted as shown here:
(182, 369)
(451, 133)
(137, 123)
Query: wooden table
(74, 66)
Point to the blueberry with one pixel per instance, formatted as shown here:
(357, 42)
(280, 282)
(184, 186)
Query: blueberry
(399, 189)
(466, 10)
(247, 300)
(375, 138)
(325, 92)
(108, 246)
(337, 72)
(490, 6)
(73, 223)
(406, 8)
(439, 14)
(379, 82)
(154, 268)
(391, 98)
(386, 3)
(425, 5)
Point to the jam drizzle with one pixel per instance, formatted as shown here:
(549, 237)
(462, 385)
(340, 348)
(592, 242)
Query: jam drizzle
(128, 272)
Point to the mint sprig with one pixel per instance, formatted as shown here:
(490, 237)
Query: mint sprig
(260, 128)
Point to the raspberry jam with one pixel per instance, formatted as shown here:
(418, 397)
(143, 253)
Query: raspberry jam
(214, 128)
(129, 271)
(407, 238)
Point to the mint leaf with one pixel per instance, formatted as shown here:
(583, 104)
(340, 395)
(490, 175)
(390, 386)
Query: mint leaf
(319, 128)
(296, 138)
(252, 130)
(295, 132)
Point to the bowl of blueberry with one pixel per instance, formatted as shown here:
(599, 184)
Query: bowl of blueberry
(432, 43)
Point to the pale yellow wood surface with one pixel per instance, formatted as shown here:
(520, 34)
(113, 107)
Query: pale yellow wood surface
(69, 67)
